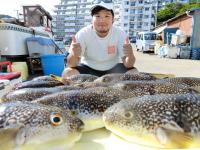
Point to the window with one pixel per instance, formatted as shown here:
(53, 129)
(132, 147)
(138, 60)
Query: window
(139, 11)
(125, 25)
(146, 16)
(126, 9)
(132, 11)
(132, 3)
(125, 17)
(146, 24)
(150, 36)
(126, 3)
(132, 18)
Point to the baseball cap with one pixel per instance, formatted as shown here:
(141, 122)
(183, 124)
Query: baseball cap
(108, 4)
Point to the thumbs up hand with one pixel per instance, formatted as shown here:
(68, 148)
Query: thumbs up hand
(127, 40)
(128, 51)
(75, 47)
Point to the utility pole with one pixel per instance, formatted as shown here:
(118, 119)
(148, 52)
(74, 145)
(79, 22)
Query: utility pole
(17, 11)
(155, 13)
(76, 17)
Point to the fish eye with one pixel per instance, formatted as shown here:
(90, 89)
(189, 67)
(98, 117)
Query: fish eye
(56, 119)
(128, 115)
(105, 79)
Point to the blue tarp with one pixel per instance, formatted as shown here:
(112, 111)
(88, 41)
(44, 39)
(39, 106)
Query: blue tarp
(41, 40)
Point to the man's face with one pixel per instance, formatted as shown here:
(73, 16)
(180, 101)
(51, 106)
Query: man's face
(102, 22)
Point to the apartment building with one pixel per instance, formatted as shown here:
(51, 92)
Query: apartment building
(70, 16)
(140, 15)
(131, 15)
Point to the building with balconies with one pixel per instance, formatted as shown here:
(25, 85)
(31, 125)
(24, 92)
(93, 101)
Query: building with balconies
(131, 15)
(70, 16)
(140, 15)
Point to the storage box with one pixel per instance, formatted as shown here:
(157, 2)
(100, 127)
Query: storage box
(185, 52)
(195, 54)
(40, 45)
(158, 44)
(172, 52)
(53, 64)
(21, 67)
(9, 75)
(178, 39)
(7, 81)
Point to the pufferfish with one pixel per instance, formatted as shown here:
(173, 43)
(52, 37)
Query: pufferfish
(24, 125)
(159, 121)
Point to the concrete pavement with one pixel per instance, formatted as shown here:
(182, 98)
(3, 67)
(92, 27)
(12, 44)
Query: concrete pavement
(180, 67)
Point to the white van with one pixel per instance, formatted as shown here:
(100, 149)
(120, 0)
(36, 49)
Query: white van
(145, 41)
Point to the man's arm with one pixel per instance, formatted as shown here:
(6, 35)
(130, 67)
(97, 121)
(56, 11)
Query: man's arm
(129, 61)
(129, 58)
(72, 61)
(75, 53)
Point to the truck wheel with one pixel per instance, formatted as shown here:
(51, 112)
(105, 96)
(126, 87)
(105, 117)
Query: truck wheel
(137, 48)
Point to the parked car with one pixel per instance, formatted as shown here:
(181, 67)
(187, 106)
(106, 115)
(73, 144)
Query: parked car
(133, 39)
(145, 41)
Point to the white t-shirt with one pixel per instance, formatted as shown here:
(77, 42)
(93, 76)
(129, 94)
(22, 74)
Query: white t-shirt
(101, 53)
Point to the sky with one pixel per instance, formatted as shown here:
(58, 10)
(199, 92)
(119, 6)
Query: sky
(11, 7)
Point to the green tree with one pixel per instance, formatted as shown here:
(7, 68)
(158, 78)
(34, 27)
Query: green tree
(194, 1)
(176, 9)
(188, 6)
(168, 12)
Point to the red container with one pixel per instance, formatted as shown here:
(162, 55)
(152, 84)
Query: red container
(10, 75)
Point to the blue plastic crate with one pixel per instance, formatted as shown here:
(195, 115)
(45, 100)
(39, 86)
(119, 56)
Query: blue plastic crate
(53, 64)
(195, 53)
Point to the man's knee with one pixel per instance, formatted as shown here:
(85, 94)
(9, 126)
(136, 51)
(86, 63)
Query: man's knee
(69, 72)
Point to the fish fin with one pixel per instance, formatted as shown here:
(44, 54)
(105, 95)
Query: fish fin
(56, 77)
(196, 88)
(172, 136)
(162, 76)
(8, 137)
(64, 81)
(78, 84)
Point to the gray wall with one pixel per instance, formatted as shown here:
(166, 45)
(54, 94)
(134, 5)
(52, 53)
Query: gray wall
(196, 30)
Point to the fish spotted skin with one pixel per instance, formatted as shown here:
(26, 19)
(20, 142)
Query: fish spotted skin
(37, 84)
(89, 104)
(188, 81)
(115, 77)
(25, 94)
(141, 119)
(140, 88)
(92, 102)
(85, 85)
(43, 78)
(29, 94)
(82, 78)
(36, 124)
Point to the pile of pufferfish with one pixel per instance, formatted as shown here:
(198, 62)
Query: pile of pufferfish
(136, 106)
